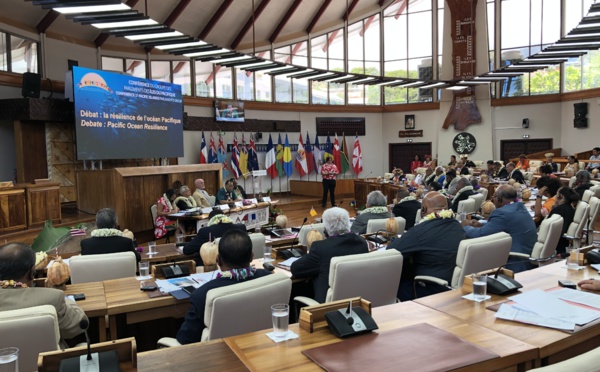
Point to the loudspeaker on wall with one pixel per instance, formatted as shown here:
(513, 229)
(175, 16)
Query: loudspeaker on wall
(526, 123)
(31, 85)
(581, 109)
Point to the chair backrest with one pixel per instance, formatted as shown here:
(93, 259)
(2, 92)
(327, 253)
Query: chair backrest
(528, 176)
(572, 181)
(593, 216)
(548, 235)
(587, 195)
(596, 190)
(595, 183)
(244, 307)
(467, 206)
(306, 229)
(353, 276)
(558, 167)
(99, 267)
(579, 221)
(478, 200)
(483, 191)
(378, 224)
(480, 254)
(212, 199)
(418, 216)
(258, 244)
(32, 330)
(587, 362)
(153, 213)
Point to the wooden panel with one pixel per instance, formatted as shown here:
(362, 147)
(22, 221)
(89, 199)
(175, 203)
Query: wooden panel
(331, 125)
(95, 190)
(30, 148)
(402, 154)
(251, 125)
(315, 188)
(43, 203)
(12, 210)
(363, 187)
(533, 148)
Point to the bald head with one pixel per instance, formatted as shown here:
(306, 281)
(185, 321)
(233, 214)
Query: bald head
(199, 183)
(434, 202)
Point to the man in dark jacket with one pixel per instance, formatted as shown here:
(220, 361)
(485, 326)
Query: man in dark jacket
(514, 173)
(463, 191)
(341, 242)
(430, 247)
(106, 238)
(216, 228)
(407, 207)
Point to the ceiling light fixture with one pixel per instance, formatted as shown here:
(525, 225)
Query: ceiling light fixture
(209, 53)
(180, 45)
(142, 22)
(91, 9)
(153, 36)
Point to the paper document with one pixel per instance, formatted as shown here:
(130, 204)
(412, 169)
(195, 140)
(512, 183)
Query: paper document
(178, 214)
(580, 297)
(175, 284)
(288, 262)
(206, 210)
(509, 312)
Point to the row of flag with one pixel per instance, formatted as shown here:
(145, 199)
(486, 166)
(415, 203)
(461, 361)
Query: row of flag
(278, 161)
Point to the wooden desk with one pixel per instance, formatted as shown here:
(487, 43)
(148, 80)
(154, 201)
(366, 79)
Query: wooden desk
(212, 355)
(164, 253)
(13, 215)
(554, 345)
(123, 297)
(362, 188)
(560, 269)
(43, 203)
(258, 216)
(94, 304)
(259, 353)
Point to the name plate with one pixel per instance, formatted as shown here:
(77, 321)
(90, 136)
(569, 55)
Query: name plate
(224, 207)
(206, 210)
(239, 204)
(254, 201)
(267, 199)
(258, 173)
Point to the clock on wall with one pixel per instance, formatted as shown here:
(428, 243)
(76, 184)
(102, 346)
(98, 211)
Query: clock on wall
(464, 143)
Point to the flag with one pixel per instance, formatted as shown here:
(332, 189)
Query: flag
(203, 154)
(279, 162)
(235, 158)
(252, 156)
(310, 159)
(222, 156)
(271, 159)
(344, 154)
(357, 157)
(212, 150)
(243, 157)
(301, 165)
(313, 212)
(328, 150)
(287, 158)
(337, 156)
(318, 155)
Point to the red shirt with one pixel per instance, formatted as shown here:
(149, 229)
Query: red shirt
(331, 171)
(414, 165)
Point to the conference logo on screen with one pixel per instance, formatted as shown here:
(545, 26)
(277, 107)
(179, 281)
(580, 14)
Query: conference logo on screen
(93, 81)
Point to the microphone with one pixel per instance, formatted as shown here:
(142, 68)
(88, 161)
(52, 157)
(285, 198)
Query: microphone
(84, 324)
(368, 174)
(349, 319)
(543, 259)
(298, 232)
(340, 203)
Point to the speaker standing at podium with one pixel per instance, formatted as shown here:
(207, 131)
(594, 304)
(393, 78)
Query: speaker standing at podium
(329, 171)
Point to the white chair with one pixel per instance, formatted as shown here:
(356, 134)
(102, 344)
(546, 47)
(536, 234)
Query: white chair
(32, 330)
(375, 225)
(483, 191)
(306, 229)
(100, 267)
(241, 308)
(587, 195)
(548, 236)
(558, 167)
(353, 276)
(421, 170)
(258, 244)
(474, 256)
(479, 199)
(575, 230)
(466, 206)
(586, 362)
(572, 181)
(478, 163)
(418, 216)
(593, 216)
(212, 200)
(528, 176)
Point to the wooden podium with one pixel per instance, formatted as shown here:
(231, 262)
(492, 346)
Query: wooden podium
(131, 191)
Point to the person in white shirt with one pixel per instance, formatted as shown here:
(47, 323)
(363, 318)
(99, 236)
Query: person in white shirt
(595, 156)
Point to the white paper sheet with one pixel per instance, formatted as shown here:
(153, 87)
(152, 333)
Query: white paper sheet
(289, 262)
(170, 285)
(509, 312)
(580, 297)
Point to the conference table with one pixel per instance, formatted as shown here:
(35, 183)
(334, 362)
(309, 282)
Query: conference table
(253, 216)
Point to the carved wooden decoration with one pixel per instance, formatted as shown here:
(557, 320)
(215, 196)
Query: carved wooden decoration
(463, 111)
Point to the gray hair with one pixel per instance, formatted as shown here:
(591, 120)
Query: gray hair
(376, 199)
(183, 189)
(583, 176)
(463, 182)
(440, 168)
(336, 221)
(106, 219)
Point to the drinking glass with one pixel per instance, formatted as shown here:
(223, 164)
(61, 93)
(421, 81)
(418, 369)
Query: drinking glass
(144, 267)
(573, 258)
(179, 238)
(151, 247)
(267, 253)
(9, 359)
(280, 313)
(479, 287)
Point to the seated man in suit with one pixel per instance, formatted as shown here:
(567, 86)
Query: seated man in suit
(464, 189)
(376, 209)
(17, 270)
(491, 171)
(340, 242)
(501, 171)
(106, 238)
(430, 247)
(514, 173)
(218, 225)
(200, 195)
(235, 255)
(407, 207)
(226, 194)
(550, 162)
(512, 218)
(440, 175)
(468, 163)
(461, 168)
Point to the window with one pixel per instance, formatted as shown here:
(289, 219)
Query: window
(18, 54)
(327, 53)
(204, 79)
(583, 72)
(224, 82)
(364, 58)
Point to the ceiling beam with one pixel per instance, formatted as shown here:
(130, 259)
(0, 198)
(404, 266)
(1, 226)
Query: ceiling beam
(215, 19)
(48, 19)
(367, 25)
(173, 17)
(238, 39)
(401, 9)
(318, 15)
(284, 20)
(101, 39)
(350, 9)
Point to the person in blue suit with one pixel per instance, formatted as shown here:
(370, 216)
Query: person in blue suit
(512, 218)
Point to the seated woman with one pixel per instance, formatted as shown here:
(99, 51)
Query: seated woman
(427, 162)
(376, 209)
(582, 182)
(452, 161)
(565, 205)
(417, 163)
(185, 200)
(572, 166)
(546, 171)
(162, 224)
(106, 238)
(523, 163)
(548, 187)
